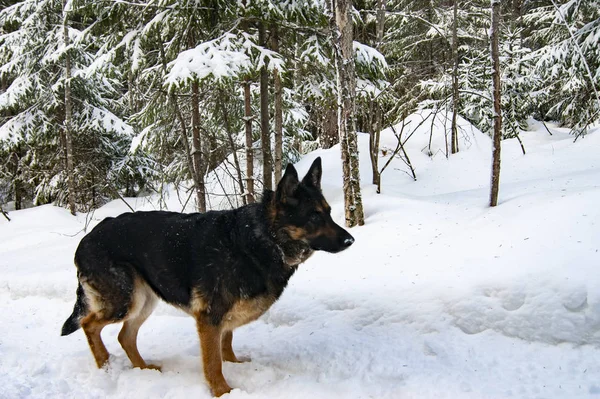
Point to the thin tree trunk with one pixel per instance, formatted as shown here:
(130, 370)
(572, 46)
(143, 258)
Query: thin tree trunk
(180, 118)
(236, 161)
(249, 150)
(454, 136)
(18, 194)
(329, 130)
(14, 163)
(497, 108)
(265, 135)
(197, 149)
(197, 160)
(278, 109)
(378, 125)
(130, 97)
(341, 27)
(374, 145)
(68, 116)
(184, 139)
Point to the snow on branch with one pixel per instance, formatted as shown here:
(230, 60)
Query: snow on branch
(15, 92)
(226, 57)
(104, 120)
(367, 55)
(20, 126)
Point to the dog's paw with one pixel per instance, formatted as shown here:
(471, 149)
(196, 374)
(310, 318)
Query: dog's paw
(236, 359)
(220, 390)
(152, 367)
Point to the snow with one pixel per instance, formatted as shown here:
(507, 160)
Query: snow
(368, 55)
(14, 92)
(107, 121)
(440, 296)
(225, 57)
(216, 57)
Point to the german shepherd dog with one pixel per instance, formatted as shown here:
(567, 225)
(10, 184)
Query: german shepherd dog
(224, 268)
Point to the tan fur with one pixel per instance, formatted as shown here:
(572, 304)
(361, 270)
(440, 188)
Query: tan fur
(92, 326)
(93, 298)
(143, 303)
(227, 348)
(197, 303)
(245, 311)
(296, 233)
(210, 342)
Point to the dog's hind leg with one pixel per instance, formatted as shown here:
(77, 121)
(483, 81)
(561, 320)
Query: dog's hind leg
(144, 302)
(109, 292)
(92, 325)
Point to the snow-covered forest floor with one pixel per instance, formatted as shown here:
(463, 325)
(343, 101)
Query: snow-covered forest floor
(440, 296)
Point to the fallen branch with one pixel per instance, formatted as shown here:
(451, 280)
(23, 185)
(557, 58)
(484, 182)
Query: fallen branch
(5, 214)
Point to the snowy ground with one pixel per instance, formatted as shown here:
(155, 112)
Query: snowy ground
(440, 296)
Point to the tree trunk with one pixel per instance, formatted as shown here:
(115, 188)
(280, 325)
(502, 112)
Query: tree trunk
(265, 135)
(454, 136)
(497, 108)
(341, 28)
(378, 123)
(329, 130)
(278, 109)
(374, 145)
(249, 150)
(179, 115)
(236, 162)
(197, 150)
(68, 116)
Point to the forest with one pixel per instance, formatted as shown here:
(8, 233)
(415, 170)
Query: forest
(102, 100)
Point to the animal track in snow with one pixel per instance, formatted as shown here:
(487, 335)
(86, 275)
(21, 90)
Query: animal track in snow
(576, 301)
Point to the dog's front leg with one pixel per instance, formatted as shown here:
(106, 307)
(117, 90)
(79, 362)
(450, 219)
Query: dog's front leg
(210, 342)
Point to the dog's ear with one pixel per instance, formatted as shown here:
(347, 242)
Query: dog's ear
(313, 176)
(287, 186)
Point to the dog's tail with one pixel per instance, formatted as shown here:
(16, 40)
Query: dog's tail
(79, 310)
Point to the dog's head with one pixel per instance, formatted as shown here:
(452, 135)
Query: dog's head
(304, 214)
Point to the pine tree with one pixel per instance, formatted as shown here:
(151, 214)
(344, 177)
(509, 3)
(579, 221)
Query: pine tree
(34, 58)
(564, 38)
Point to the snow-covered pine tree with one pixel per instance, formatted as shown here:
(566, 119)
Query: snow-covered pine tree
(564, 36)
(473, 71)
(34, 63)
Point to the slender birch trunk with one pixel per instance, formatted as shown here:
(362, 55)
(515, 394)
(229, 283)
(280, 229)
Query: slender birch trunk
(494, 33)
